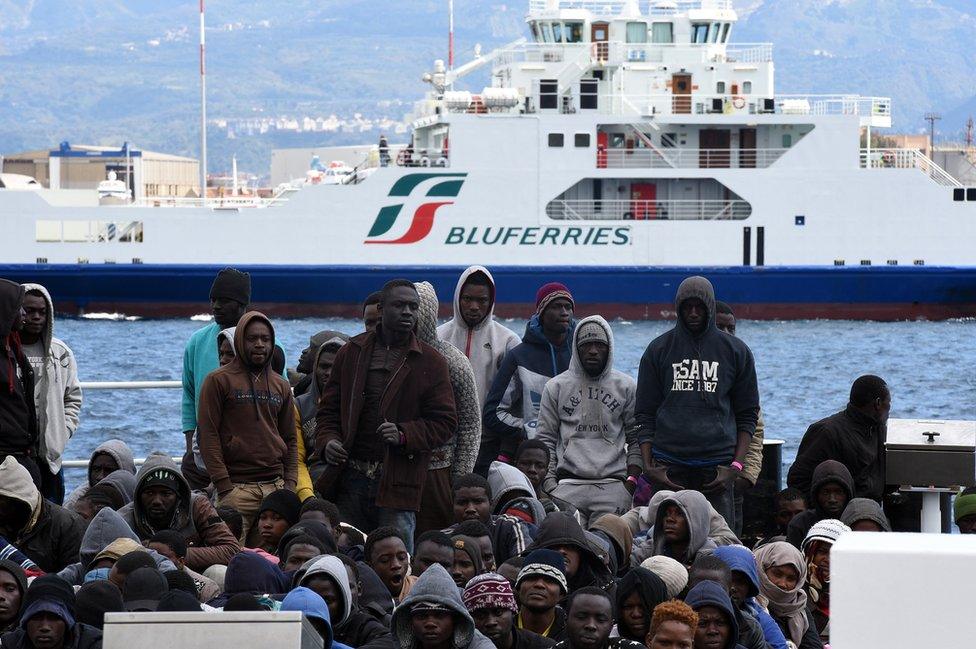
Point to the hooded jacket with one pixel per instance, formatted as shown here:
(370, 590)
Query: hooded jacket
(460, 453)
(14, 570)
(308, 405)
(52, 535)
(249, 572)
(208, 539)
(118, 451)
(355, 628)
(107, 526)
(81, 636)
(561, 528)
(246, 420)
(697, 513)
(853, 439)
(696, 392)
(508, 485)
(709, 593)
(648, 586)
(827, 471)
(331, 567)
(587, 422)
(57, 392)
(641, 522)
(313, 607)
(620, 536)
(435, 586)
(512, 406)
(18, 418)
(740, 559)
(486, 344)
(864, 509)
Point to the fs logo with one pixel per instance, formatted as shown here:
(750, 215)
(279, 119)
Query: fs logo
(423, 216)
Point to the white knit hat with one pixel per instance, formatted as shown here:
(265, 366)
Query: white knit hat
(673, 574)
(828, 530)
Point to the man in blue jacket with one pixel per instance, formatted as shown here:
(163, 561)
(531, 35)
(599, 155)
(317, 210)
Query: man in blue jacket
(697, 402)
(512, 406)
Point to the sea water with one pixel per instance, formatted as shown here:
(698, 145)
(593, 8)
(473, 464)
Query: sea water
(805, 371)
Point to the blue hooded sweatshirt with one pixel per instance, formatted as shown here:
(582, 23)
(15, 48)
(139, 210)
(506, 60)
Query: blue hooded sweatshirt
(313, 607)
(709, 593)
(512, 405)
(249, 572)
(741, 559)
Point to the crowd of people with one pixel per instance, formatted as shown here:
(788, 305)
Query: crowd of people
(436, 487)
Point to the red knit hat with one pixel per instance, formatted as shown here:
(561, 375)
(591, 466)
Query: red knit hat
(549, 292)
(489, 590)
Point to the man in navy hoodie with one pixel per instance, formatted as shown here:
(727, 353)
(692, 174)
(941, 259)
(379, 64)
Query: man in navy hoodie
(697, 402)
(512, 406)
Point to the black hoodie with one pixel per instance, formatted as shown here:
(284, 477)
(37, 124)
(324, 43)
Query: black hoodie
(561, 528)
(18, 420)
(827, 471)
(695, 393)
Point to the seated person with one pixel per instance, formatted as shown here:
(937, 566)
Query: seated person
(831, 489)
(682, 526)
(673, 626)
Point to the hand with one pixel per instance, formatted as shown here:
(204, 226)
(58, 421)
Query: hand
(335, 454)
(658, 475)
(290, 485)
(630, 486)
(390, 433)
(724, 475)
(742, 484)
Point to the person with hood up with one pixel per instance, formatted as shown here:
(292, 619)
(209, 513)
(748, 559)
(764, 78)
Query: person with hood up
(327, 576)
(782, 574)
(433, 616)
(855, 437)
(816, 548)
(247, 425)
(13, 587)
(641, 522)
(512, 404)
(48, 620)
(308, 401)
(57, 392)
(484, 341)
(163, 500)
(457, 457)
(717, 626)
(104, 529)
(315, 609)
(107, 458)
(697, 402)
(613, 530)
(249, 572)
(303, 377)
(584, 564)
(682, 526)
(830, 491)
(744, 589)
(707, 567)
(586, 419)
(638, 592)
(513, 496)
(48, 534)
(18, 417)
(114, 491)
(491, 602)
(387, 406)
(865, 515)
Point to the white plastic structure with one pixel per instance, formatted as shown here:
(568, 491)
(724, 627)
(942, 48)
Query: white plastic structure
(241, 630)
(901, 591)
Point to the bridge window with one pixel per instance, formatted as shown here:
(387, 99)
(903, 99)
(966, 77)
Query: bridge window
(699, 33)
(546, 32)
(662, 33)
(557, 32)
(573, 32)
(636, 32)
(725, 32)
(713, 32)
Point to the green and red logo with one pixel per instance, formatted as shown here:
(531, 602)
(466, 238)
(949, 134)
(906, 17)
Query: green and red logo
(448, 186)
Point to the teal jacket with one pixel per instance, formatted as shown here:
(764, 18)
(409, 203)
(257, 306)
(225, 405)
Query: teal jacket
(200, 359)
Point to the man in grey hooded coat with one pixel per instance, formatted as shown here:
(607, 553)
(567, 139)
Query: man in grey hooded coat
(433, 616)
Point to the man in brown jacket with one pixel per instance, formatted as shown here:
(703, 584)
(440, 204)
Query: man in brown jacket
(386, 406)
(247, 425)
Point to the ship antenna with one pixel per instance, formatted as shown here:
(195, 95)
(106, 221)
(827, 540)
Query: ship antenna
(203, 108)
(450, 39)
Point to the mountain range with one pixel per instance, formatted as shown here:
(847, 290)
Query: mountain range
(108, 71)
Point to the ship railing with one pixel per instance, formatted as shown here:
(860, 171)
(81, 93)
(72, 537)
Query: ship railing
(645, 158)
(685, 53)
(616, 7)
(216, 203)
(907, 159)
(873, 110)
(541, 53)
(648, 210)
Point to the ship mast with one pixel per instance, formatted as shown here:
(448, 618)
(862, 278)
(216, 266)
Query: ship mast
(450, 39)
(203, 107)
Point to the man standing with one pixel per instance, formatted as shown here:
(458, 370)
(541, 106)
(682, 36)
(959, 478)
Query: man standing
(386, 406)
(57, 393)
(308, 403)
(697, 402)
(248, 429)
(18, 418)
(512, 404)
(474, 331)
(855, 437)
(371, 311)
(303, 376)
(586, 420)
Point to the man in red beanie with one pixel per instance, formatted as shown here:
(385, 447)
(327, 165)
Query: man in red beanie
(512, 405)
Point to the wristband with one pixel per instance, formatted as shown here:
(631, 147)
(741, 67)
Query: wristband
(403, 439)
(632, 479)
(737, 465)
(504, 458)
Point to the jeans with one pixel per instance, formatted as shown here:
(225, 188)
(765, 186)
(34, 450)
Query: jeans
(691, 477)
(356, 498)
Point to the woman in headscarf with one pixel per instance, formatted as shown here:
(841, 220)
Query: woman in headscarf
(816, 549)
(638, 592)
(782, 576)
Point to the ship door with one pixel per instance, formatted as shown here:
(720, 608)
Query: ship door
(681, 89)
(747, 148)
(713, 144)
(643, 197)
(599, 35)
(602, 140)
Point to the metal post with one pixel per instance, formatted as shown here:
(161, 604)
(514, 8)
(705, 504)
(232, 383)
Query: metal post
(450, 40)
(203, 108)
(931, 513)
(869, 146)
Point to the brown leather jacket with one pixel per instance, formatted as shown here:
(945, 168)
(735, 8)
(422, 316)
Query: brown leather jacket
(419, 399)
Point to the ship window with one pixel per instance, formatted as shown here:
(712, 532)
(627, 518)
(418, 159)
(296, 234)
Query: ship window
(582, 140)
(636, 32)
(699, 33)
(746, 87)
(556, 140)
(47, 231)
(725, 32)
(88, 231)
(588, 94)
(548, 94)
(574, 32)
(535, 31)
(787, 140)
(662, 33)
(557, 32)
(669, 140)
(720, 88)
(713, 32)
(546, 32)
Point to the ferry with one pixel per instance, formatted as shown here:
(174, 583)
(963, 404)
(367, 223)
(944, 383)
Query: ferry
(621, 146)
